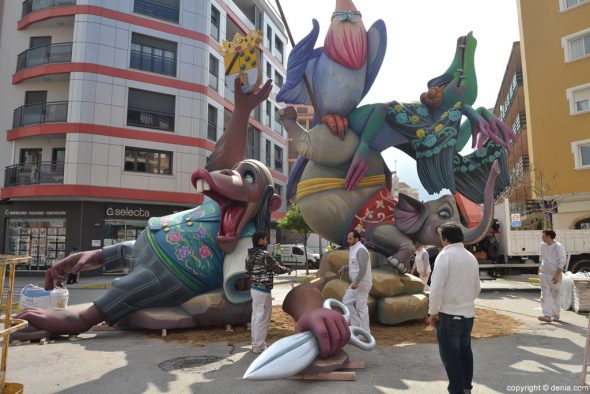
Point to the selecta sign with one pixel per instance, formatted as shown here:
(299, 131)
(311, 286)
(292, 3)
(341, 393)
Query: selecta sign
(128, 212)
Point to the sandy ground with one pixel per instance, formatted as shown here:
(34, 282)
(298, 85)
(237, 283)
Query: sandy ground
(488, 324)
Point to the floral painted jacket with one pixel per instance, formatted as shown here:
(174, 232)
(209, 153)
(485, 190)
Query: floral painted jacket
(186, 243)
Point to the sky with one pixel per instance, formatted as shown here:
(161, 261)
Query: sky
(421, 37)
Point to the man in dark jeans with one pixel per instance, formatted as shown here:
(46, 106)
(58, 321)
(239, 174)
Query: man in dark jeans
(451, 310)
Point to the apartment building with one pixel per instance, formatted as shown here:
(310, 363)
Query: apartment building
(110, 105)
(555, 53)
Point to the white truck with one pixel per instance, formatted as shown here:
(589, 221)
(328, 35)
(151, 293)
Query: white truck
(512, 252)
(294, 256)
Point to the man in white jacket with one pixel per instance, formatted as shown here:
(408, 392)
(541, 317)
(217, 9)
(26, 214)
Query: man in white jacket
(359, 270)
(552, 258)
(454, 286)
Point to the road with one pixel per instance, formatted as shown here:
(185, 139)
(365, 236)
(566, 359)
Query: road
(541, 356)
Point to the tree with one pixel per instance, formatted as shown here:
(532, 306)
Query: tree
(293, 221)
(540, 185)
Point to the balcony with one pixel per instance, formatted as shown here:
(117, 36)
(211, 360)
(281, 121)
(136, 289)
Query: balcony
(56, 112)
(157, 9)
(45, 172)
(153, 63)
(47, 54)
(150, 119)
(37, 5)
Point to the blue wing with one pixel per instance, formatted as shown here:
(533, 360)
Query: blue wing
(295, 176)
(301, 58)
(377, 42)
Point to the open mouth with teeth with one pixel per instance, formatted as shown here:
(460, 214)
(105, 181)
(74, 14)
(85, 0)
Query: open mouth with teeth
(219, 186)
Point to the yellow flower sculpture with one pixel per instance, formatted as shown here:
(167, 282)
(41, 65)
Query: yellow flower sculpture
(438, 127)
(414, 118)
(420, 133)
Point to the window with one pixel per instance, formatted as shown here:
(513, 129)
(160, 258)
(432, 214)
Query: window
(268, 70)
(576, 45)
(151, 110)
(514, 84)
(279, 49)
(579, 99)
(153, 54)
(268, 113)
(566, 4)
(277, 126)
(278, 79)
(149, 161)
(160, 9)
(215, 22)
(278, 190)
(212, 123)
(581, 151)
(268, 148)
(253, 144)
(278, 158)
(213, 72)
(58, 158)
(269, 37)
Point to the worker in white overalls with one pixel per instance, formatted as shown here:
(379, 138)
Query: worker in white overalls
(359, 271)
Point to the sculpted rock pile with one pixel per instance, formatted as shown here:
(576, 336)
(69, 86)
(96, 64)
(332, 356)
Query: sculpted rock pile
(394, 298)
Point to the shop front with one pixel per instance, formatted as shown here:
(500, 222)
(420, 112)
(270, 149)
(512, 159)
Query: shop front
(47, 231)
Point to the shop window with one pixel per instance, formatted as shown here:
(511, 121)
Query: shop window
(42, 239)
(149, 161)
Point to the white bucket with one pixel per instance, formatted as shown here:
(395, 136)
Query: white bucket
(59, 299)
(36, 297)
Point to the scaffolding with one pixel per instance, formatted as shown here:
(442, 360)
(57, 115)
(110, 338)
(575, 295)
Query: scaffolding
(10, 325)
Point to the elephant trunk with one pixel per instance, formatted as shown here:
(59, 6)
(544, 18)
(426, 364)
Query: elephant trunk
(477, 233)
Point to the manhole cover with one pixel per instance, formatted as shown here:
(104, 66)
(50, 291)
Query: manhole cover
(194, 363)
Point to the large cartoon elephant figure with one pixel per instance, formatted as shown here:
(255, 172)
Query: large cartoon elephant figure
(389, 225)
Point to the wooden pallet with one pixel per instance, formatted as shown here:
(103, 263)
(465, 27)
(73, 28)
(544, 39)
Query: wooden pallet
(338, 375)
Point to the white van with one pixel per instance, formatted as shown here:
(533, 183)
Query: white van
(294, 256)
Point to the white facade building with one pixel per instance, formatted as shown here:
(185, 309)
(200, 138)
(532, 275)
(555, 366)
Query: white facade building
(110, 105)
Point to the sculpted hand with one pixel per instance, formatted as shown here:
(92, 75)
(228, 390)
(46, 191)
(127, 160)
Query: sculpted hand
(337, 124)
(249, 101)
(486, 126)
(359, 166)
(329, 328)
(74, 263)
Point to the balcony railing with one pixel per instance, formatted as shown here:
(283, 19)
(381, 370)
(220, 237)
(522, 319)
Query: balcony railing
(36, 5)
(151, 119)
(56, 112)
(156, 9)
(34, 174)
(153, 63)
(47, 54)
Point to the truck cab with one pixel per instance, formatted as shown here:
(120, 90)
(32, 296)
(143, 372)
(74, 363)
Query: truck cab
(294, 256)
